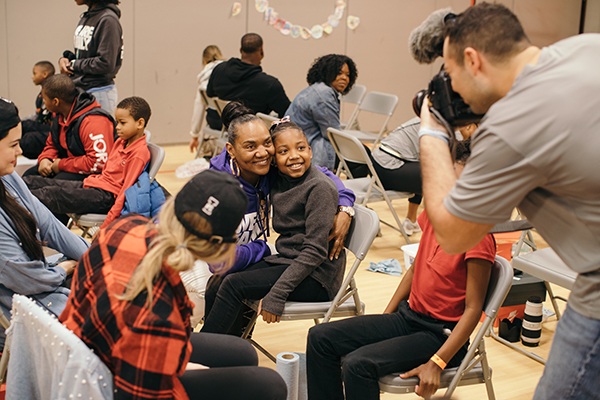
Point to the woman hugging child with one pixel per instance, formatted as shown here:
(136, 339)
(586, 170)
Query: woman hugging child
(304, 206)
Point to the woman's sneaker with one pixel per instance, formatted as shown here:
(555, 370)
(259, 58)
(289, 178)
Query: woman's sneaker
(410, 227)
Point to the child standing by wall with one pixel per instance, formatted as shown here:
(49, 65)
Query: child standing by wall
(36, 127)
(103, 193)
(304, 206)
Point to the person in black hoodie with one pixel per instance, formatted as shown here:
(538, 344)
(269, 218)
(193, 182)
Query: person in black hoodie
(98, 52)
(242, 79)
(81, 135)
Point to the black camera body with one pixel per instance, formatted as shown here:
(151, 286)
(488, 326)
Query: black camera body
(446, 101)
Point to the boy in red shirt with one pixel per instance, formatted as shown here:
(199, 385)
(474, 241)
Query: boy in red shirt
(81, 134)
(445, 296)
(105, 192)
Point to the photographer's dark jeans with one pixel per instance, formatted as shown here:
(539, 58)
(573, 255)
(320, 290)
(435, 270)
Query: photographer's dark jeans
(254, 283)
(373, 346)
(233, 371)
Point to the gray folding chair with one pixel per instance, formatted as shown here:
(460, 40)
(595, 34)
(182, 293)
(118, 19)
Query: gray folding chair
(91, 220)
(222, 140)
(474, 368)
(355, 96)
(268, 119)
(346, 302)
(369, 189)
(376, 103)
(207, 132)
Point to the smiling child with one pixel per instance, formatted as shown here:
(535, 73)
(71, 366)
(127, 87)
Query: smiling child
(304, 206)
(105, 192)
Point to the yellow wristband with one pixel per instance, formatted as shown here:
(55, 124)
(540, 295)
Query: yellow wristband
(438, 361)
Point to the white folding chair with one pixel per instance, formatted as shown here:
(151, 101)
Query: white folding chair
(48, 361)
(207, 132)
(369, 189)
(268, 119)
(376, 103)
(354, 96)
(474, 368)
(91, 220)
(346, 302)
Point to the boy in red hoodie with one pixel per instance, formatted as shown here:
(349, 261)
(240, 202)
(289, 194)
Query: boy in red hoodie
(105, 192)
(81, 136)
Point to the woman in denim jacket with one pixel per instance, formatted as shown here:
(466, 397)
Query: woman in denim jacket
(317, 107)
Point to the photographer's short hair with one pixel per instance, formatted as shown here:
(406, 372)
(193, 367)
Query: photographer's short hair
(491, 29)
(60, 87)
(46, 66)
(251, 43)
(137, 107)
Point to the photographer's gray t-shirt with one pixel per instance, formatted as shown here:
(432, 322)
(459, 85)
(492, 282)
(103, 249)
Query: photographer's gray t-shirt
(538, 148)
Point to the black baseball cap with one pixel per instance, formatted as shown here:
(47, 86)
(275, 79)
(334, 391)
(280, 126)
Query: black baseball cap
(219, 198)
(9, 115)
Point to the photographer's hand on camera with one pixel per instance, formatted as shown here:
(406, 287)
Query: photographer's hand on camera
(429, 125)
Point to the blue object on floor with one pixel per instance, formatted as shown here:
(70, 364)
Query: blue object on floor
(390, 266)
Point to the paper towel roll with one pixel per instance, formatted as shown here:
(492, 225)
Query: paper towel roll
(302, 384)
(288, 366)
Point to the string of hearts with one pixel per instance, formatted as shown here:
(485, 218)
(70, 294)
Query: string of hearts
(295, 31)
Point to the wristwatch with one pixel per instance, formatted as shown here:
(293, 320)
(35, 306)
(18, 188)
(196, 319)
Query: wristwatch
(347, 209)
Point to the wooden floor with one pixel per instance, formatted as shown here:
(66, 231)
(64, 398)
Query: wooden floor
(514, 375)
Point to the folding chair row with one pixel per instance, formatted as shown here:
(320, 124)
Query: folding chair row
(207, 132)
(376, 103)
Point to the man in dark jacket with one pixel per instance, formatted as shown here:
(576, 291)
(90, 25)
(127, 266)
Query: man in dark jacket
(81, 135)
(98, 52)
(242, 79)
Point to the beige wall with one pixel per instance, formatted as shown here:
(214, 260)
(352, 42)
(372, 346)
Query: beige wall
(164, 41)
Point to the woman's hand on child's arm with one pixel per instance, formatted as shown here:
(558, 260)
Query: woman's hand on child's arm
(339, 231)
(429, 378)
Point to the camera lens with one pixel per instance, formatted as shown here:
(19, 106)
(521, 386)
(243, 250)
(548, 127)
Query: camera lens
(417, 102)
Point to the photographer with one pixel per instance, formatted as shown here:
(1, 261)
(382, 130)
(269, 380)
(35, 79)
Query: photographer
(537, 149)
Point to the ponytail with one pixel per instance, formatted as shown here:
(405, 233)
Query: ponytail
(178, 248)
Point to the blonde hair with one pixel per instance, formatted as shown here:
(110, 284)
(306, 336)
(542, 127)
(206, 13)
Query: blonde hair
(178, 248)
(211, 53)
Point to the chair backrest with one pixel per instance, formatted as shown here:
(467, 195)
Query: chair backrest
(349, 149)
(379, 103)
(220, 104)
(500, 282)
(268, 119)
(48, 361)
(355, 95)
(157, 156)
(206, 101)
(362, 232)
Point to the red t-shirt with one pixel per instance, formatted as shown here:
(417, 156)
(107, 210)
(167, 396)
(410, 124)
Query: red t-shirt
(440, 280)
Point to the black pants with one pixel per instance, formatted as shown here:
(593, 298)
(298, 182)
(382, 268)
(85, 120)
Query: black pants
(407, 178)
(373, 346)
(254, 283)
(33, 139)
(64, 196)
(233, 372)
(63, 175)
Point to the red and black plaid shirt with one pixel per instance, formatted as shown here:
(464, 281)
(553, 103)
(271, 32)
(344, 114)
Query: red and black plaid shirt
(145, 348)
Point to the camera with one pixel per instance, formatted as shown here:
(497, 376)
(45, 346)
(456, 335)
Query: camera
(446, 101)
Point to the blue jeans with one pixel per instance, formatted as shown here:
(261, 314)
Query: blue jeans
(573, 366)
(107, 97)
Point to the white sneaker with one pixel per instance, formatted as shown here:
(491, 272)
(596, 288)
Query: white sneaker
(410, 227)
